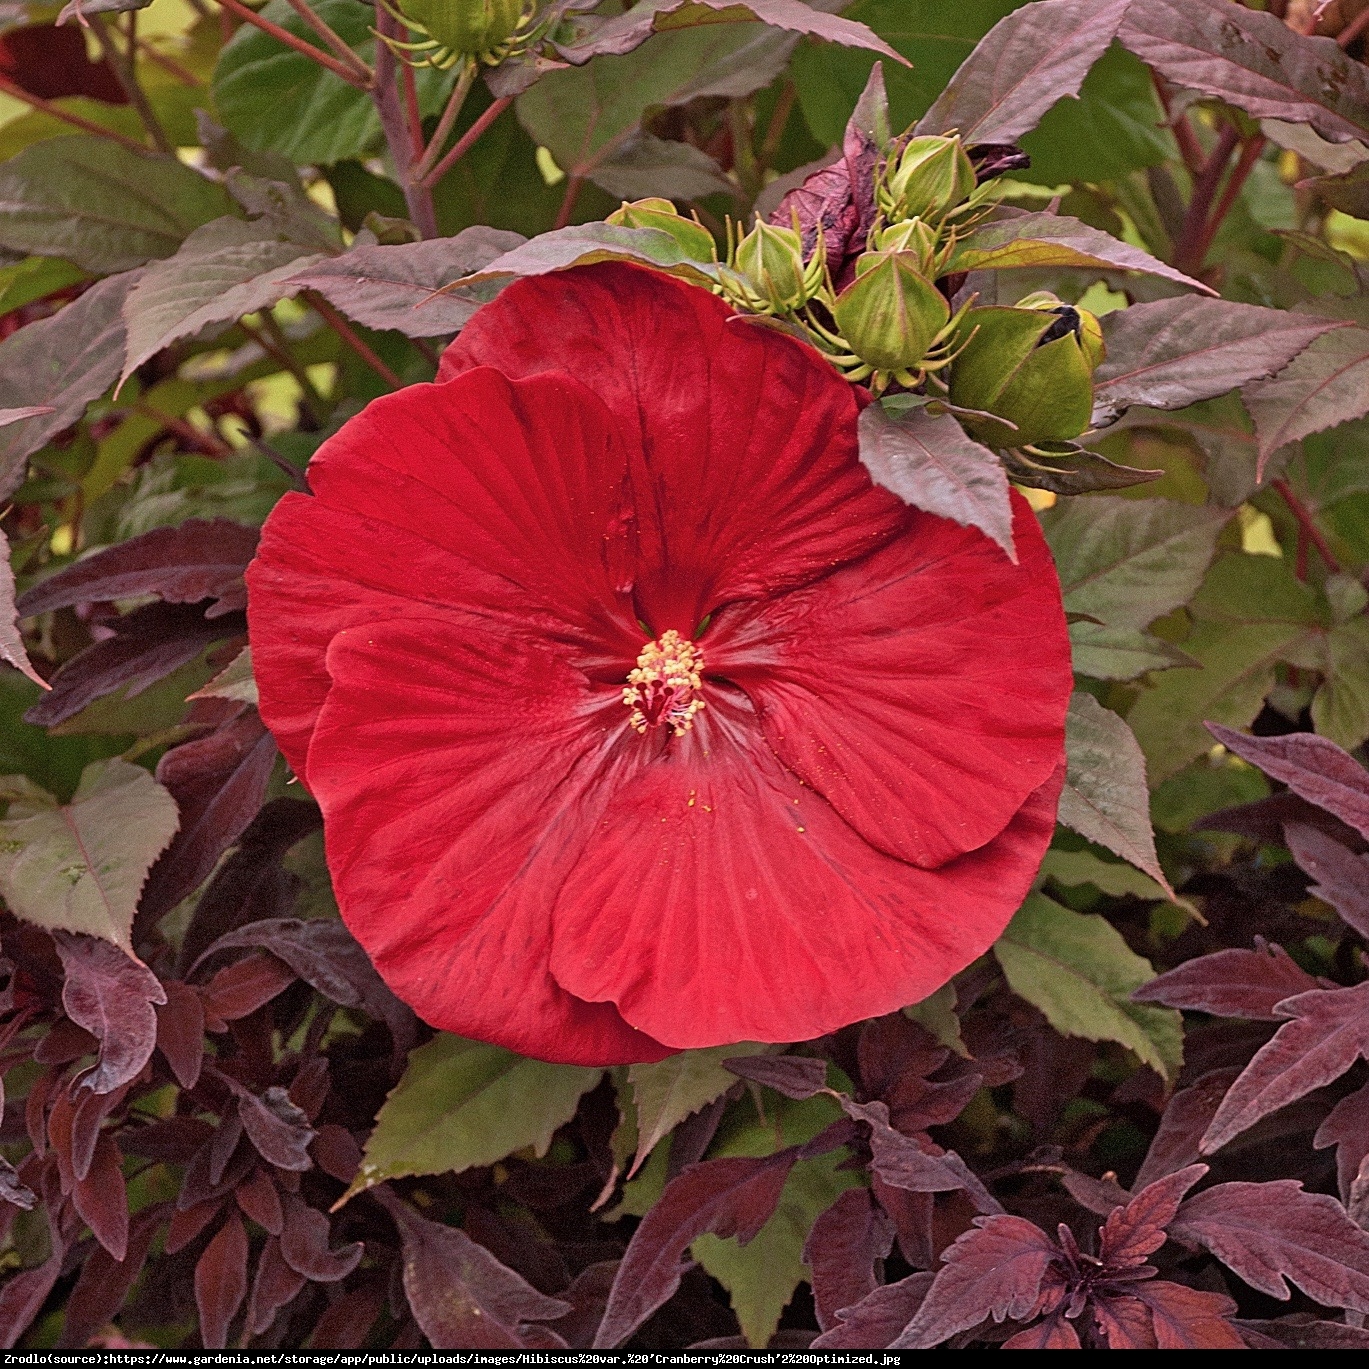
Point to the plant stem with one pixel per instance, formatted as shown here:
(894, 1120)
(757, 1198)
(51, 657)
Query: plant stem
(411, 113)
(1245, 164)
(1306, 523)
(567, 208)
(779, 120)
(333, 39)
(427, 156)
(273, 342)
(122, 65)
(1353, 29)
(167, 64)
(348, 334)
(7, 87)
(210, 444)
(744, 162)
(291, 41)
(1180, 127)
(1191, 246)
(398, 131)
(465, 142)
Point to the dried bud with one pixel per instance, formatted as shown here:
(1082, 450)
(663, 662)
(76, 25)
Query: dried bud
(1031, 365)
(996, 159)
(931, 176)
(891, 315)
(695, 240)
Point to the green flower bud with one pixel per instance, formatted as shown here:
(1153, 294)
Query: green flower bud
(1031, 365)
(695, 240)
(469, 27)
(771, 259)
(891, 313)
(931, 176)
(912, 235)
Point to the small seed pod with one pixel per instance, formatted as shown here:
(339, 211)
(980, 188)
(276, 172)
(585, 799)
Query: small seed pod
(695, 240)
(1031, 365)
(891, 314)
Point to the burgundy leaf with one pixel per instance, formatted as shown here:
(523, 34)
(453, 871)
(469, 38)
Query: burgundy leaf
(187, 1223)
(105, 1282)
(309, 1089)
(111, 995)
(221, 1282)
(995, 1270)
(279, 1130)
(1313, 767)
(1101, 1196)
(89, 1112)
(174, 1139)
(13, 1189)
(731, 1197)
(1271, 1232)
(12, 647)
(1133, 1233)
(347, 1323)
(203, 1176)
(218, 782)
(304, 1244)
(243, 987)
(1188, 1319)
(1253, 61)
(462, 1296)
(102, 1200)
(223, 1146)
(1188, 1115)
(1342, 877)
(874, 1321)
(336, 1152)
(1301, 1331)
(996, 159)
(1036, 56)
(795, 1076)
(1264, 820)
(275, 1285)
(23, 1295)
(1329, 1031)
(844, 1250)
(1056, 1332)
(180, 1031)
(258, 1199)
(147, 645)
(1232, 983)
(1347, 1127)
(588, 1296)
(195, 560)
(63, 1043)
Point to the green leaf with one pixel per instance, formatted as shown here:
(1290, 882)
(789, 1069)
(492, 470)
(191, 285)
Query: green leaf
(101, 206)
(80, 868)
(1072, 868)
(11, 642)
(33, 278)
(1105, 797)
(668, 1091)
(937, 1016)
(588, 116)
(1127, 562)
(1340, 709)
(274, 99)
(1121, 653)
(465, 1103)
(1077, 969)
(222, 271)
(235, 681)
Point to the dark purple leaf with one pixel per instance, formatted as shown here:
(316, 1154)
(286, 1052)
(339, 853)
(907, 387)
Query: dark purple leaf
(1347, 1128)
(64, 1042)
(102, 1200)
(1187, 1116)
(1055, 1332)
(23, 1295)
(1263, 821)
(279, 1130)
(1313, 767)
(1175, 352)
(1027, 62)
(994, 1270)
(187, 1223)
(1232, 983)
(105, 1282)
(218, 782)
(259, 1200)
(223, 1147)
(843, 1251)
(88, 1115)
(795, 1076)
(11, 640)
(111, 995)
(996, 159)
(195, 560)
(13, 1189)
(347, 1323)
(304, 1244)
(1301, 1331)
(462, 1296)
(242, 988)
(275, 1285)
(1187, 1318)
(1253, 61)
(931, 463)
(221, 1282)
(336, 1152)
(1272, 1232)
(731, 1197)
(180, 1031)
(147, 645)
(1100, 1196)
(877, 1319)
(1133, 1233)
(1342, 877)
(1328, 1033)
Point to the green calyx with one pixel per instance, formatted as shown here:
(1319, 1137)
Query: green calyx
(929, 178)
(696, 242)
(1030, 365)
(891, 315)
(770, 274)
(461, 30)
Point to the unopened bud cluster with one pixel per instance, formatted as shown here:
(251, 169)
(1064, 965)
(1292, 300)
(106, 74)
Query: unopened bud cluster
(457, 31)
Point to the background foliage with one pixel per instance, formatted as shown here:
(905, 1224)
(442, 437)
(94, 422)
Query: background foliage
(220, 233)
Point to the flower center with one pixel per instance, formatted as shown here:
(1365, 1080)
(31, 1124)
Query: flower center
(664, 688)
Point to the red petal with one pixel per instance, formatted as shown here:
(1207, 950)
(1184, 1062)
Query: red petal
(453, 765)
(721, 900)
(750, 481)
(490, 494)
(922, 691)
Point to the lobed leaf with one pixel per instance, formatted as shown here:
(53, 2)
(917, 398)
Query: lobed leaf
(1342, 878)
(1231, 983)
(878, 1318)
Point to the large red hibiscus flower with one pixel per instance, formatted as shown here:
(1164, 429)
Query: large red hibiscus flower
(639, 717)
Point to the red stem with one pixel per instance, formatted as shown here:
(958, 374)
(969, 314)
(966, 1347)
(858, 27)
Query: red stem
(348, 334)
(411, 110)
(568, 204)
(464, 143)
(1191, 248)
(1306, 525)
(1180, 127)
(75, 120)
(285, 36)
(344, 53)
(1245, 164)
